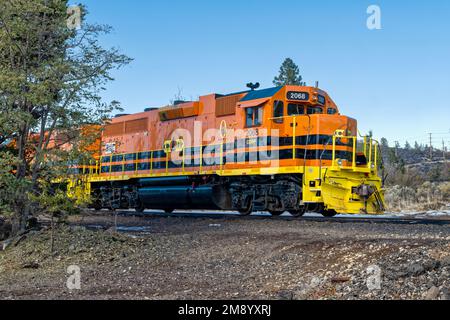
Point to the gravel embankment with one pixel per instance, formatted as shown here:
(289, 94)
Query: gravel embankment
(186, 258)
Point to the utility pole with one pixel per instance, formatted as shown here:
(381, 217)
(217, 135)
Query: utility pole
(443, 150)
(431, 146)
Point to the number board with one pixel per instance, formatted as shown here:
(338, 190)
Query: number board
(298, 96)
(321, 99)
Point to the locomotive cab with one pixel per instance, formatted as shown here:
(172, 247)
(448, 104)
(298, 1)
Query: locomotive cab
(323, 144)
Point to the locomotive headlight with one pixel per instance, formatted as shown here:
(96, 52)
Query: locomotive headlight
(340, 163)
(373, 165)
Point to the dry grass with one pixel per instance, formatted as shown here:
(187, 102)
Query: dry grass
(427, 196)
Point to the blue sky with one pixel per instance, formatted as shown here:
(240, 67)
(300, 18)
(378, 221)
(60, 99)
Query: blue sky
(395, 81)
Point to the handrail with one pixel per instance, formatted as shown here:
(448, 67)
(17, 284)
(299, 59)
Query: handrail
(371, 154)
(294, 138)
(286, 117)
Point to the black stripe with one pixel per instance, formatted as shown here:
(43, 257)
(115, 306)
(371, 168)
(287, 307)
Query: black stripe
(243, 143)
(238, 158)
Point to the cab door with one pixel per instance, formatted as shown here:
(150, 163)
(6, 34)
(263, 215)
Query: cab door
(278, 119)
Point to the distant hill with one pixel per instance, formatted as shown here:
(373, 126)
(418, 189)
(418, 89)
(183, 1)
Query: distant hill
(414, 182)
(415, 156)
(415, 164)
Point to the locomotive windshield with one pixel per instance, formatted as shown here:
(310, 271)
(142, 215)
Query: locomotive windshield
(315, 110)
(331, 111)
(298, 109)
(295, 109)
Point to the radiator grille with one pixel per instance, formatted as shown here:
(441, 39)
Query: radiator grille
(134, 126)
(226, 106)
(115, 129)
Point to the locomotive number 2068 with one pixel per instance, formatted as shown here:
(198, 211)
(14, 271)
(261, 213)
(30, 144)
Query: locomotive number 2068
(298, 96)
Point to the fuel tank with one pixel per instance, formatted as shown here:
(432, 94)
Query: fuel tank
(178, 197)
(165, 181)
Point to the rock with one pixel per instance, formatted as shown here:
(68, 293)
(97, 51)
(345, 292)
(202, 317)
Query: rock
(32, 223)
(5, 229)
(445, 261)
(445, 294)
(431, 265)
(432, 294)
(111, 230)
(30, 265)
(5, 245)
(340, 279)
(415, 269)
(285, 295)
(394, 273)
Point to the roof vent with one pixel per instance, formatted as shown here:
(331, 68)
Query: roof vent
(121, 115)
(150, 109)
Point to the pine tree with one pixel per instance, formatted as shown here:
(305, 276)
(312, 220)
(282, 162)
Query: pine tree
(417, 146)
(407, 146)
(289, 74)
(51, 76)
(384, 143)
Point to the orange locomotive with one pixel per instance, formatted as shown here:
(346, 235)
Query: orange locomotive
(279, 149)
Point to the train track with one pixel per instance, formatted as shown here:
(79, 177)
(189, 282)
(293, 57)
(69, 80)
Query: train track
(443, 221)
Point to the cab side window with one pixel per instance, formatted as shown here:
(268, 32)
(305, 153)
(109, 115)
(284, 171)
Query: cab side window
(249, 117)
(278, 111)
(295, 109)
(253, 117)
(258, 116)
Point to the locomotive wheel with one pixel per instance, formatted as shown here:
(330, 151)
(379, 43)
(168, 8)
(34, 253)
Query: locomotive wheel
(298, 213)
(329, 213)
(276, 213)
(247, 211)
(140, 209)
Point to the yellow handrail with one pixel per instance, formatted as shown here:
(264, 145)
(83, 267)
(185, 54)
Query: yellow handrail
(201, 159)
(151, 163)
(136, 159)
(221, 155)
(294, 138)
(334, 149)
(372, 156)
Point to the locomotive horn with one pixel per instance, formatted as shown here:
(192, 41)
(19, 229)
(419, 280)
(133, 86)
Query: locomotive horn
(253, 86)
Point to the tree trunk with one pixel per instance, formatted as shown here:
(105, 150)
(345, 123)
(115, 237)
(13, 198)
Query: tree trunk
(52, 238)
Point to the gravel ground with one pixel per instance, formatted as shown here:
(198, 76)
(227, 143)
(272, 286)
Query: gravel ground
(158, 257)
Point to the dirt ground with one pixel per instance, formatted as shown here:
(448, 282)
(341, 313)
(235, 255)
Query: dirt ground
(157, 257)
